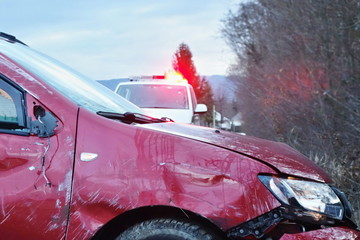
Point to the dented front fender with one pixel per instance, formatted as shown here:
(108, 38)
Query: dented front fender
(139, 167)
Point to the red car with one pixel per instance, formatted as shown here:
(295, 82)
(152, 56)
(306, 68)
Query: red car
(77, 161)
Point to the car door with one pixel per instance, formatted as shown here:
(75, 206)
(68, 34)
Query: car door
(35, 166)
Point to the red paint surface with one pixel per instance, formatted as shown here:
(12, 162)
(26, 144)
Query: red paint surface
(336, 233)
(26, 201)
(196, 169)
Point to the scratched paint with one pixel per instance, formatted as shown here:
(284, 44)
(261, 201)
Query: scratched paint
(48, 191)
(336, 233)
(4, 61)
(286, 159)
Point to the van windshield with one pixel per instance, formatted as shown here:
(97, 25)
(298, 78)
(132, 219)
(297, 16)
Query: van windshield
(76, 87)
(155, 95)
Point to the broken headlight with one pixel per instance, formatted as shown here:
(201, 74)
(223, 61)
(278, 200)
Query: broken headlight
(312, 196)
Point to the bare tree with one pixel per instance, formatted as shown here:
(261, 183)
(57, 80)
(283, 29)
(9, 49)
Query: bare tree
(298, 79)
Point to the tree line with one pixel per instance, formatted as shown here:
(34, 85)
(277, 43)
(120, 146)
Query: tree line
(297, 74)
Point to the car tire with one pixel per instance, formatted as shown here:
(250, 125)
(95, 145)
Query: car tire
(167, 229)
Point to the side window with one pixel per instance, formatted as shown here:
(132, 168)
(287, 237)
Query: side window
(12, 112)
(8, 109)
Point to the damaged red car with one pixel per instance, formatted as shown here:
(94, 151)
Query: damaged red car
(78, 161)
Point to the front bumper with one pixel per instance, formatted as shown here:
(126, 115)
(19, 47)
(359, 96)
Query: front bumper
(284, 223)
(332, 233)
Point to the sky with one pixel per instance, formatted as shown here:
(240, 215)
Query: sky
(121, 38)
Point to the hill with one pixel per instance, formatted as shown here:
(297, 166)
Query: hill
(112, 83)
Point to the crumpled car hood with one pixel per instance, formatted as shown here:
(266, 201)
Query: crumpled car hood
(279, 155)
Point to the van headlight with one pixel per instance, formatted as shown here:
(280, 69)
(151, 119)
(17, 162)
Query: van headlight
(312, 196)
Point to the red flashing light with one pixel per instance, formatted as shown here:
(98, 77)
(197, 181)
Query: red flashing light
(158, 77)
(171, 76)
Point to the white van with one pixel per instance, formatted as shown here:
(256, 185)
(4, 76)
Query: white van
(162, 98)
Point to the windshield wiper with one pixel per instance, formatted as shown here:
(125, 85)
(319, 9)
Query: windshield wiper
(164, 107)
(129, 117)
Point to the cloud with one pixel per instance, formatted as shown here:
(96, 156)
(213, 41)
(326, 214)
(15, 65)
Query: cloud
(121, 38)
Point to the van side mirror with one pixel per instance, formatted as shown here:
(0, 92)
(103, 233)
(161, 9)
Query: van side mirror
(200, 108)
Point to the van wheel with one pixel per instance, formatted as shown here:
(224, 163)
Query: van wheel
(167, 229)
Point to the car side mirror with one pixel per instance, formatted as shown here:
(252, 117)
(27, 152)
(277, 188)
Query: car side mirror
(45, 124)
(200, 108)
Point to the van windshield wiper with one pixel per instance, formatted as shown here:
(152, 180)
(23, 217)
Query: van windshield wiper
(130, 117)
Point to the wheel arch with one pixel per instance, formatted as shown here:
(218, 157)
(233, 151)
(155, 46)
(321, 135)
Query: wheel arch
(114, 227)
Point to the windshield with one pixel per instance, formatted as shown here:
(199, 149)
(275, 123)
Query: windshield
(81, 90)
(155, 95)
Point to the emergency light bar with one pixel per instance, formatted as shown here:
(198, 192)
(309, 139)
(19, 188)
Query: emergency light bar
(171, 76)
(144, 78)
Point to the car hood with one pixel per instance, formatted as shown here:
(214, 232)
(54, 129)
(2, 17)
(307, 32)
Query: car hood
(278, 155)
(177, 115)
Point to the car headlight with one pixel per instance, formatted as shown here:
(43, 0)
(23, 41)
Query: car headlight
(312, 196)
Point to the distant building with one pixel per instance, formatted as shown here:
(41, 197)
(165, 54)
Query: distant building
(237, 122)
